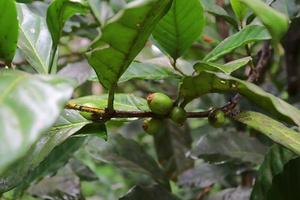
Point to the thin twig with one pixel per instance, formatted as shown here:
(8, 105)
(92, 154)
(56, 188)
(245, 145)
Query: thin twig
(104, 114)
(174, 65)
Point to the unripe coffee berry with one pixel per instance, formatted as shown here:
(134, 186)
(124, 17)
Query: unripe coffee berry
(159, 103)
(152, 126)
(216, 118)
(178, 115)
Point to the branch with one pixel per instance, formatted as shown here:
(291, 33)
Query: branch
(103, 114)
(264, 57)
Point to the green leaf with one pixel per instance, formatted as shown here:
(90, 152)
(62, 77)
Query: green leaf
(181, 26)
(273, 129)
(52, 163)
(273, 165)
(34, 39)
(252, 33)
(148, 193)
(214, 9)
(8, 31)
(223, 145)
(211, 82)
(145, 71)
(30, 104)
(171, 144)
(125, 102)
(286, 184)
(59, 12)
(127, 154)
(239, 9)
(227, 68)
(111, 54)
(276, 22)
(68, 123)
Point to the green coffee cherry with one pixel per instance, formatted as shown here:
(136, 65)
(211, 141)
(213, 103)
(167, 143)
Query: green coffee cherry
(178, 115)
(216, 118)
(87, 115)
(159, 103)
(152, 126)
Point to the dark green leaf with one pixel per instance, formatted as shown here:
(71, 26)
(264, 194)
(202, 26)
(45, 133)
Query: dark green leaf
(34, 39)
(148, 193)
(286, 184)
(229, 144)
(59, 12)
(210, 82)
(30, 104)
(252, 33)
(227, 68)
(181, 26)
(50, 165)
(273, 165)
(111, 54)
(171, 145)
(275, 130)
(125, 102)
(128, 154)
(276, 22)
(8, 30)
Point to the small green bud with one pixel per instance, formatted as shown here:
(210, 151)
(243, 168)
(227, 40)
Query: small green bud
(152, 126)
(216, 118)
(159, 103)
(178, 115)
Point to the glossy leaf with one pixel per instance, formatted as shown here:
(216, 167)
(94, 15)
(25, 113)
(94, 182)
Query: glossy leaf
(181, 26)
(273, 129)
(272, 166)
(276, 22)
(59, 12)
(29, 104)
(111, 54)
(145, 71)
(34, 39)
(148, 193)
(126, 154)
(125, 102)
(227, 68)
(68, 123)
(252, 33)
(8, 31)
(210, 82)
(239, 9)
(58, 157)
(225, 145)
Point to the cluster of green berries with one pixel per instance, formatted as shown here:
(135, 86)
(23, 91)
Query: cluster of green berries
(162, 106)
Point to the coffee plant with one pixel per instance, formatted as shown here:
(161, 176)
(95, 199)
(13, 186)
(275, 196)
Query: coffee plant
(149, 99)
